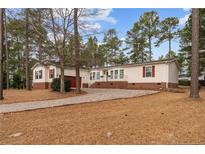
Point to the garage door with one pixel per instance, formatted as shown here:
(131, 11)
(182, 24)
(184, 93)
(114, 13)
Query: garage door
(73, 80)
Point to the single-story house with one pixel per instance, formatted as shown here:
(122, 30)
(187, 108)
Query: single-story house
(156, 75)
(44, 74)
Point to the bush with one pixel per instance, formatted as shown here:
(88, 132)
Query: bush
(4, 80)
(17, 81)
(55, 85)
(202, 82)
(188, 83)
(184, 82)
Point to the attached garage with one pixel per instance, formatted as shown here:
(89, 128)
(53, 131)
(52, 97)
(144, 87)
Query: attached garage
(73, 80)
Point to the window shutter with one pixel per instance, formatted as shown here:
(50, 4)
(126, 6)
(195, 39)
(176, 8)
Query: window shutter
(153, 71)
(143, 71)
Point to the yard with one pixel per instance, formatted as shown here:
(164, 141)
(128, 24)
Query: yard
(162, 118)
(16, 96)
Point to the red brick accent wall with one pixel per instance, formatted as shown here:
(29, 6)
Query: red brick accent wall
(41, 85)
(172, 85)
(126, 85)
(85, 85)
(147, 86)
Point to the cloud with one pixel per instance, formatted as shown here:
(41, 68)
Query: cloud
(98, 15)
(101, 43)
(187, 9)
(122, 38)
(183, 20)
(91, 26)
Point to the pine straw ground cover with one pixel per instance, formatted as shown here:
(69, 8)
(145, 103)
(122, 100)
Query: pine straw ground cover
(162, 118)
(16, 96)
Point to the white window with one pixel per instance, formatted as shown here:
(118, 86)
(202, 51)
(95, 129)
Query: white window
(148, 71)
(116, 74)
(111, 74)
(38, 74)
(121, 74)
(98, 76)
(93, 75)
(51, 73)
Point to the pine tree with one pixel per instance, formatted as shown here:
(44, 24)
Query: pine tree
(194, 89)
(27, 65)
(137, 42)
(150, 22)
(168, 31)
(186, 44)
(91, 52)
(112, 44)
(77, 50)
(1, 53)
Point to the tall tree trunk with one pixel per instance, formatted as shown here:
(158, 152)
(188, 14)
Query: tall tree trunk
(28, 87)
(1, 53)
(150, 49)
(7, 52)
(142, 52)
(194, 89)
(62, 87)
(170, 48)
(77, 50)
(19, 57)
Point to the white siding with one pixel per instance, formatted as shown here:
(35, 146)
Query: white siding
(135, 74)
(167, 72)
(44, 73)
(84, 74)
(173, 73)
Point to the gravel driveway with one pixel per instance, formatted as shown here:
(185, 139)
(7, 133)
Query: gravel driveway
(94, 95)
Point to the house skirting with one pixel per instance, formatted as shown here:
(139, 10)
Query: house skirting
(110, 84)
(126, 85)
(41, 85)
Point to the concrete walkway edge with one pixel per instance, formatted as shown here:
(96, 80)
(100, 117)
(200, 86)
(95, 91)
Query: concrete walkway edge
(94, 95)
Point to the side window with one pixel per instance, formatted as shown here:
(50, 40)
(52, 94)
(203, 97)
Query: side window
(148, 71)
(111, 74)
(91, 76)
(98, 76)
(40, 74)
(116, 74)
(121, 74)
(51, 73)
(36, 74)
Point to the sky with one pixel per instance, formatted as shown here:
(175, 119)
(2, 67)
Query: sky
(123, 19)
